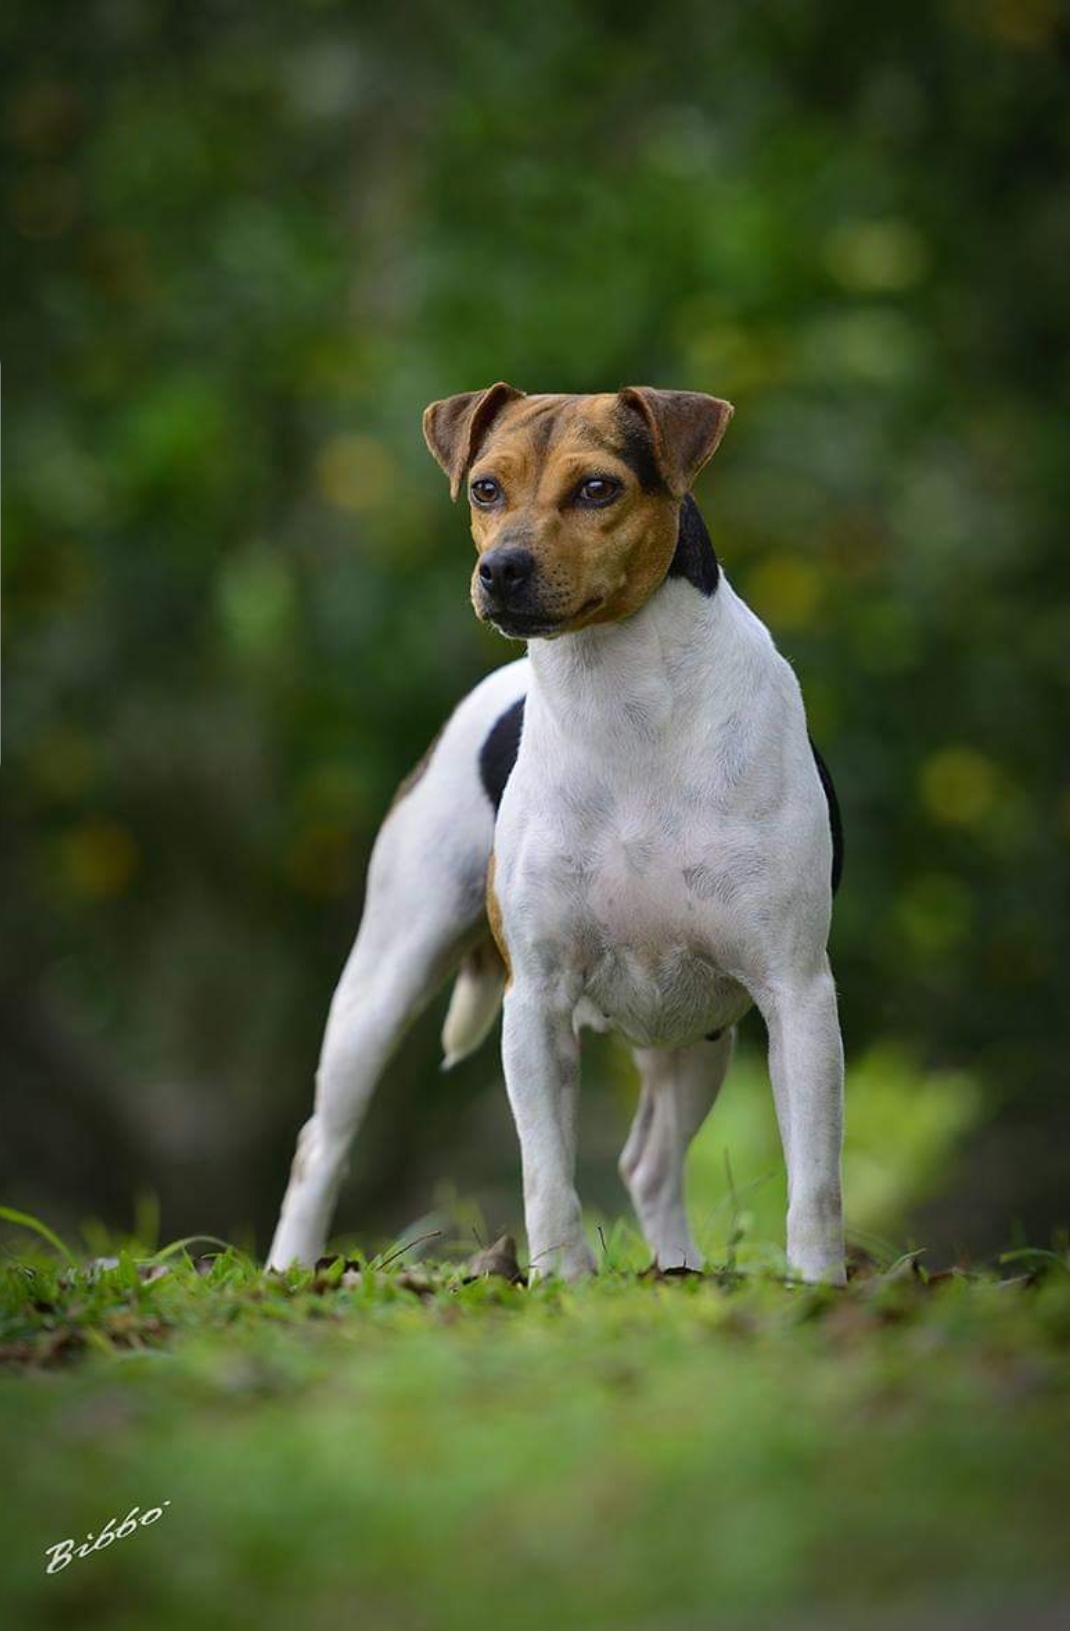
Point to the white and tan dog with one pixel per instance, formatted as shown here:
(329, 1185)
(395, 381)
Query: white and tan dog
(629, 829)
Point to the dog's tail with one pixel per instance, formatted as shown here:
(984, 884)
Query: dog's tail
(477, 996)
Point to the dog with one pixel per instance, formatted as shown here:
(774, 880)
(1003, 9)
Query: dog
(630, 829)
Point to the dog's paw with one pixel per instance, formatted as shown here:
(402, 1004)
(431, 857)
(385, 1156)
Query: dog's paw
(819, 1269)
(572, 1262)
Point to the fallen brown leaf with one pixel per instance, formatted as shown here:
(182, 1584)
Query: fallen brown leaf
(678, 1271)
(419, 1284)
(861, 1263)
(498, 1261)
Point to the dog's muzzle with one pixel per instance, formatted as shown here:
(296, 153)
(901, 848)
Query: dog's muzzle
(507, 592)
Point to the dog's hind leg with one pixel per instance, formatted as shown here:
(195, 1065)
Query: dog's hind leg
(679, 1086)
(424, 911)
(399, 962)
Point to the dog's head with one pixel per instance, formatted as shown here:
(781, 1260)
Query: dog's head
(575, 500)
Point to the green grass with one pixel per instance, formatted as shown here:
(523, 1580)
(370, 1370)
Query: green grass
(408, 1450)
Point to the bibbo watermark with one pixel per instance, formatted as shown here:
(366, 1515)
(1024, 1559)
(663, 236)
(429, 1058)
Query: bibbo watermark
(65, 1551)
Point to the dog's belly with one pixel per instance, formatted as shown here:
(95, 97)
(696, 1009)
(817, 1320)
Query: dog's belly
(668, 996)
(656, 975)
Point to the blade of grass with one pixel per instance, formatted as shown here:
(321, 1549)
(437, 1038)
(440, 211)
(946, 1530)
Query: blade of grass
(25, 1221)
(407, 1246)
(180, 1246)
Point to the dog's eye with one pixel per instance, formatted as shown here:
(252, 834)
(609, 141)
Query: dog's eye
(597, 491)
(485, 491)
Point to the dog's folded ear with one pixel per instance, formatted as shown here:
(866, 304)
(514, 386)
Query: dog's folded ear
(455, 427)
(685, 428)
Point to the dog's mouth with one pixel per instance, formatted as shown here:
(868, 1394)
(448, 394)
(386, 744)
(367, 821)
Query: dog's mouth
(523, 625)
(536, 625)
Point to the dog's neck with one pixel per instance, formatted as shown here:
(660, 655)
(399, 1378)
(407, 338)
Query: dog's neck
(658, 670)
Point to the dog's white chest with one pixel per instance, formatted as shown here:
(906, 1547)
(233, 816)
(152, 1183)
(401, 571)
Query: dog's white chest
(633, 910)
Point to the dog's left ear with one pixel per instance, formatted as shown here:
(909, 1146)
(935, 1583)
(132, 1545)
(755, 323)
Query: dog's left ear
(455, 427)
(685, 428)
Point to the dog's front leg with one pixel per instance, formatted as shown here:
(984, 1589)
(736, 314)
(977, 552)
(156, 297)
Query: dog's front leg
(806, 1068)
(540, 1052)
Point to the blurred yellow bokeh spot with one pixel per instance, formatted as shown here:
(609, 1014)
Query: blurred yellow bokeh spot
(1030, 24)
(958, 785)
(355, 473)
(884, 256)
(728, 358)
(785, 590)
(97, 860)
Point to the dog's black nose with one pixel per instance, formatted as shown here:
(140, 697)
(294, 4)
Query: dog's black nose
(503, 572)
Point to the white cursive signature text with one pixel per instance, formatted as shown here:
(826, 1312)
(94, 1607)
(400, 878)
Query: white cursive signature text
(63, 1551)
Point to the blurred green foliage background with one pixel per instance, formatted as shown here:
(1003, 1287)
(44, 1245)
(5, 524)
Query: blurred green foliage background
(244, 245)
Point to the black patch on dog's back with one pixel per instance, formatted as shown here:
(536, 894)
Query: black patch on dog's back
(694, 559)
(498, 754)
(835, 819)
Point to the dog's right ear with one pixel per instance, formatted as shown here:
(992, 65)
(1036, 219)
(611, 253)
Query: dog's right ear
(455, 427)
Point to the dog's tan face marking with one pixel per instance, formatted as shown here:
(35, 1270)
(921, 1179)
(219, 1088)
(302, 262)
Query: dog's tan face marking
(575, 500)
